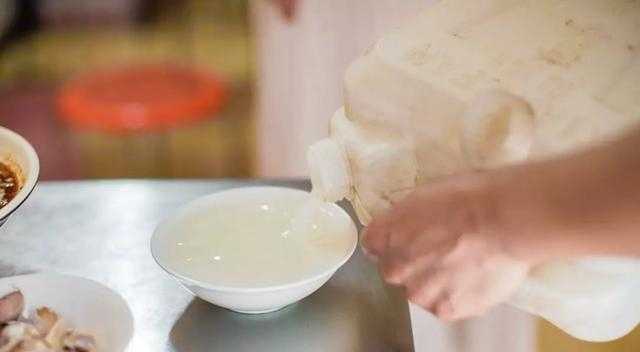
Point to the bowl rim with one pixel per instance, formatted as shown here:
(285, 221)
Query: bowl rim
(30, 180)
(226, 288)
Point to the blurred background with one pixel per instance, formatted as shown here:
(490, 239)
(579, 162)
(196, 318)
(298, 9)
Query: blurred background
(168, 89)
(72, 72)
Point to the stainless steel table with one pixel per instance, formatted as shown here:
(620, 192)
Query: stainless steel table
(101, 230)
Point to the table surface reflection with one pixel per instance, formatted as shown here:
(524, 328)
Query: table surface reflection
(101, 230)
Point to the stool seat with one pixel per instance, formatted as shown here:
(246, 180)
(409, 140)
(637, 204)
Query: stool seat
(140, 98)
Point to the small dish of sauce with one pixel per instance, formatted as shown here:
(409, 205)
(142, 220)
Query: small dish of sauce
(9, 185)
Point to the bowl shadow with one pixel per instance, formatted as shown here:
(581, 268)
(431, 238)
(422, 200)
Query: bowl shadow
(354, 311)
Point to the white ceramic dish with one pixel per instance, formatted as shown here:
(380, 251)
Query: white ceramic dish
(22, 158)
(84, 304)
(247, 299)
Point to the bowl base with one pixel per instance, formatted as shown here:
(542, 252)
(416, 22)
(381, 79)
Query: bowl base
(270, 310)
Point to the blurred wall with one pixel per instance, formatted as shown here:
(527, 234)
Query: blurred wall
(300, 65)
(54, 40)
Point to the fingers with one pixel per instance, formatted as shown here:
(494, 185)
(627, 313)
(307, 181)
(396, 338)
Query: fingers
(450, 279)
(450, 290)
(427, 289)
(439, 292)
(404, 263)
(398, 226)
(437, 212)
(398, 269)
(375, 236)
(432, 291)
(427, 283)
(438, 244)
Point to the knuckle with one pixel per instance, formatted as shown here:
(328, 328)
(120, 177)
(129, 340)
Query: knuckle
(424, 295)
(365, 242)
(367, 234)
(392, 272)
(370, 241)
(475, 208)
(369, 254)
(414, 294)
(445, 310)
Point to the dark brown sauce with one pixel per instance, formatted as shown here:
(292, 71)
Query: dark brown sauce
(9, 186)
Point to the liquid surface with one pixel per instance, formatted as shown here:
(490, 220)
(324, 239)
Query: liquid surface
(264, 244)
(9, 186)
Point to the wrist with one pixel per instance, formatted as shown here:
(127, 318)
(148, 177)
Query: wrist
(524, 222)
(582, 204)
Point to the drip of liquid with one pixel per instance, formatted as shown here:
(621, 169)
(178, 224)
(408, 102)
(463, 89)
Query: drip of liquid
(274, 243)
(306, 218)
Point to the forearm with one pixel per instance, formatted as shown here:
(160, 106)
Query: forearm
(579, 205)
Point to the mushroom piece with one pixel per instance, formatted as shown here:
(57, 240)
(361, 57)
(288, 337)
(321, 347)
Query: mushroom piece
(19, 330)
(9, 345)
(43, 331)
(32, 345)
(76, 342)
(11, 306)
(44, 320)
(49, 325)
(14, 333)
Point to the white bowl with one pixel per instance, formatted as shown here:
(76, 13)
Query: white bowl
(19, 155)
(84, 304)
(247, 298)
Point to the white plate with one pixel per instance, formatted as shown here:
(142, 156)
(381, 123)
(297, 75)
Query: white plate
(84, 304)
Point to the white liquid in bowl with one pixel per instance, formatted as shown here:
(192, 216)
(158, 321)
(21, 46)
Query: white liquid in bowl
(243, 242)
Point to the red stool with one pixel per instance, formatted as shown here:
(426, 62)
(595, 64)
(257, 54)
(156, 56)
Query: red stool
(124, 116)
(140, 98)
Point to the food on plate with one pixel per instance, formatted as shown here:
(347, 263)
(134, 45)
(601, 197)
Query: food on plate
(9, 185)
(11, 306)
(43, 331)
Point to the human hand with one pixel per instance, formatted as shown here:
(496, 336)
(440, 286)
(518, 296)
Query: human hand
(464, 244)
(443, 245)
